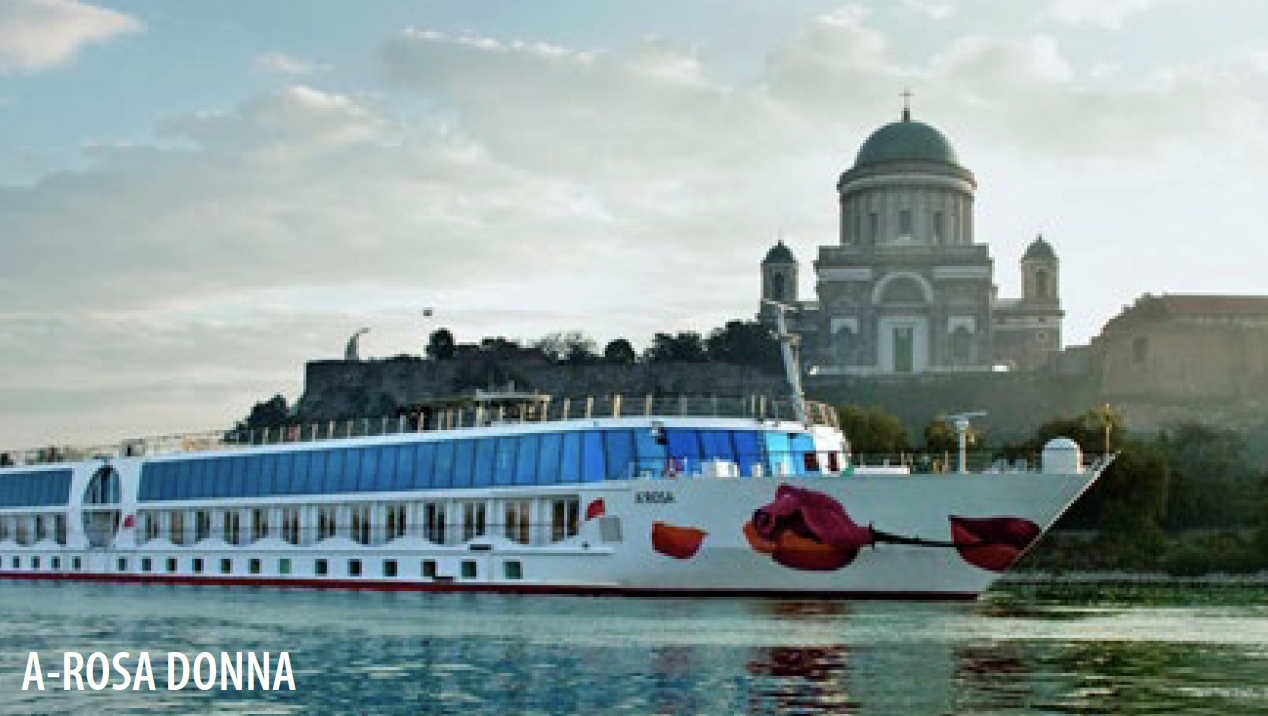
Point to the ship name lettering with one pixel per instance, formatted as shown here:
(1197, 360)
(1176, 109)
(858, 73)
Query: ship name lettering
(654, 497)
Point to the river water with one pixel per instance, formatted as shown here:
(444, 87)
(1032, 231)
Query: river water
(407, 653)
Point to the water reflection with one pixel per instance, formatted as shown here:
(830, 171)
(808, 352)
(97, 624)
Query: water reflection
(489, 654)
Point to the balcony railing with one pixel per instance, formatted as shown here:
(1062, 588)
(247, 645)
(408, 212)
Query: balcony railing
(435, 418)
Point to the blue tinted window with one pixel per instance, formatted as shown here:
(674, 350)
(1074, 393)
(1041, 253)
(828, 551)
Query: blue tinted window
(403, 475)
(620, 449)
(570, 458)
(387, 467)
(548, 458)
(716, 445)
(334, 470)
(683, 444)
(651, 454)
(748, 450)
(235, 468)
(268, 476)
(370, 480)
(482, 474)
(594, 463)
(442, 476)
(300, 472)
(504, 462)
(348, 478)
(424, 465)
(463, 463)
(318, 475)
(285, 473)
(250, 477)
(526, 461)
(781, 462)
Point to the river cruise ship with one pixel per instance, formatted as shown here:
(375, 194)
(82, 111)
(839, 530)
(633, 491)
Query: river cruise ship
(516, 492)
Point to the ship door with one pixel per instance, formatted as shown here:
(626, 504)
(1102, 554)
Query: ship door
(101, 513)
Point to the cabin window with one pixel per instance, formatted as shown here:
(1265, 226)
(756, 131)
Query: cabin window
(290, 525)
(284, 565)
(253, 566)
(259, 523)
(202, 525)
(35, 563)
(17, 563)
(121, 565)
(4, 528)
(59, 528)
(326, 522)
(171, 564)
(76, 563)
(354, 568)
(429, 568)
(564, 518)
(473, 520)
(389, 568)
(434, 513)
(512, 569)
(57, 563)
(198, 565)
(516, 523)
(233, 527)
(39, 528)
(396, 524)
(178, 527)
(321, 567)
(147, 564)
(469, 570)
(226, 566)
(361, 524)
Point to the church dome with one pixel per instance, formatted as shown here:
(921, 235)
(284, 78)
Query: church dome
(906, 140)
(1039, 249)
(779, 254)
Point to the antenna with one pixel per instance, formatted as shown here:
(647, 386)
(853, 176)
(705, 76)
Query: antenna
(790, 359)
(351, 353)
(960, 421)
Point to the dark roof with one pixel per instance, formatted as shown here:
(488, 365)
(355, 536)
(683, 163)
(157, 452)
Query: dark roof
(779, 254)
(906, 140)
(1039, 249)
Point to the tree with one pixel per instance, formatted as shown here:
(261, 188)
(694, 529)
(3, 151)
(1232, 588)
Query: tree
(571, 347)
(441, 345)
(745, 343)
(685, 347)
(619, 351)
(872, 431)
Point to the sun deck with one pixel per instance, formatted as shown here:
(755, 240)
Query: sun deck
(481, 410)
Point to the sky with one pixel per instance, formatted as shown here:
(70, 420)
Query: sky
(197, 197)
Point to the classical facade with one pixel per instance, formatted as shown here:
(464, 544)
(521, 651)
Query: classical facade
(907, 289)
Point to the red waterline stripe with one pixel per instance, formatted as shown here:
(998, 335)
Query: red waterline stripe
(403, 586)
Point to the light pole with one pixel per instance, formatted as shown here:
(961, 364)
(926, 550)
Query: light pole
(960, 421)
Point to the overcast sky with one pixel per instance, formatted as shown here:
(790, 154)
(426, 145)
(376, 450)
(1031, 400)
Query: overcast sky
(196, 197)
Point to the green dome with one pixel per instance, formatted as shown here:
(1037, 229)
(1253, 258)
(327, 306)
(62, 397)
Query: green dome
(906, 141)
(779, 254)
(1039, 249)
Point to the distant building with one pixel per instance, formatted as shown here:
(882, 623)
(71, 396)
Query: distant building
(1181, 348)
(907, 289)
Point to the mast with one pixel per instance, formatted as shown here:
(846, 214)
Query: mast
(791, 369)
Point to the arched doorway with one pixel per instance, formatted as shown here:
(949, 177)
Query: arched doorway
(100, 507)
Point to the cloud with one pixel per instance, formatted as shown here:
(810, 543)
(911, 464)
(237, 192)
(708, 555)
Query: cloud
(1104, 14)
(37, 34)
(282, 64)
(619, 192)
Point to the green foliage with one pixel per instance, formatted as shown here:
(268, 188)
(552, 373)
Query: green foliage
(619, 351)
(940, 435)
(1213, 484)
(686, 346)
(873, 430)
(745, 343)
(568, 347)
(271, 413)
(441, 344)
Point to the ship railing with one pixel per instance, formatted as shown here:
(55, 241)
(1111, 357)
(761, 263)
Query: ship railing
(755, 407)
(374, 535)
(988, 461)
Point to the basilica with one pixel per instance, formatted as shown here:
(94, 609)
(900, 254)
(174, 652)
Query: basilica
(907, 289)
